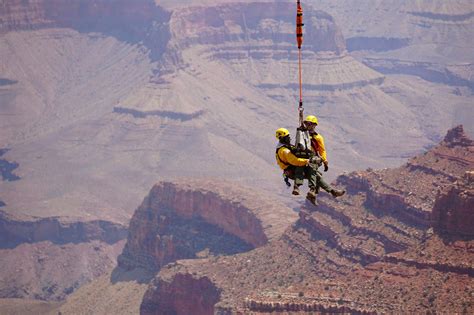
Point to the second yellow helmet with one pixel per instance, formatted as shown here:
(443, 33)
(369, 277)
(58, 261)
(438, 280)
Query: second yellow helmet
(311, 119)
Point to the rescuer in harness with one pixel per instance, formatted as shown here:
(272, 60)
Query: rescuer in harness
(294, 167)
(302, 160)
(317, 144)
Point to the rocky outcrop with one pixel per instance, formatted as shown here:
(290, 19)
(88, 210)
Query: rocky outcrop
(385, 201)
(184, 294)
(327, 224)
(453, 212)
(457, 137)
(189, 219)
(409, 192)
(396, 204)
(14, 231)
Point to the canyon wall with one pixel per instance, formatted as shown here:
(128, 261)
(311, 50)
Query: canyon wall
(196, 218)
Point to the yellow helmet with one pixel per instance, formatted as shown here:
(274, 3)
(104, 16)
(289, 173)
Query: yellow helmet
(281, 132)
(311, 119)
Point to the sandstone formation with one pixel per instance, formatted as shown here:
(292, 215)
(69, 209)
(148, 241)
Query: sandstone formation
(197, 218)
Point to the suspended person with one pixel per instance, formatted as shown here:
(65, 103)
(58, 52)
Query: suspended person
(294, 167)
(317, 144)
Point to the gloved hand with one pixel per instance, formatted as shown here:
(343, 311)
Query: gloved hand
(315, 160)
(326, 166)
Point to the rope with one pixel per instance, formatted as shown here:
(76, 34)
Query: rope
(299, 40)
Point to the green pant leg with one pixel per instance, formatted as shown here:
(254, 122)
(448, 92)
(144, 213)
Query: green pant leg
(311, 175)
(322, 183)
(299, 175)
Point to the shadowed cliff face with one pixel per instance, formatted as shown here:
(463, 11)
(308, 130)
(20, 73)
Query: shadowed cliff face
(181, 220)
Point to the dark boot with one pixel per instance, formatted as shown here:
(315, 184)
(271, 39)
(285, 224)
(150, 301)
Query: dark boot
(311, 196)
(296, 190)
(337, 193)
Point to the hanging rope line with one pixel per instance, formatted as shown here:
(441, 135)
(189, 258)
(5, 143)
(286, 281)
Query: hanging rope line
(302, 139)
(299, 40)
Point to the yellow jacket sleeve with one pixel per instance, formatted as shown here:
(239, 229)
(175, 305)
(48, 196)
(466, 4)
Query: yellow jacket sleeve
(289, 158)
(320, 146)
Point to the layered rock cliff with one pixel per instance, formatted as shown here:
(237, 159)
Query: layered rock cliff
(198, 218)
